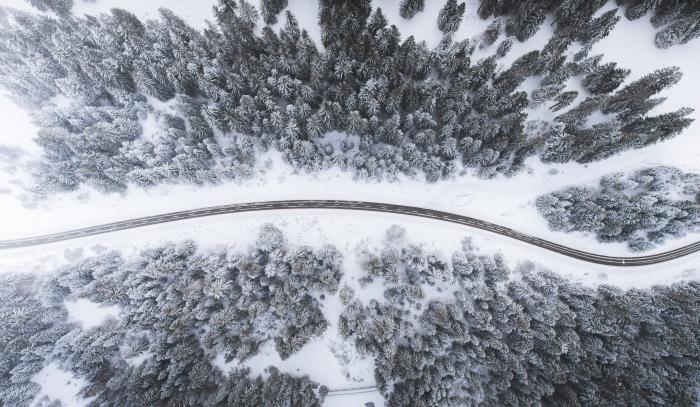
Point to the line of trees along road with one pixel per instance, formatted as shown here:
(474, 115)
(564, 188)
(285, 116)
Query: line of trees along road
(442, 330)
(371, 103)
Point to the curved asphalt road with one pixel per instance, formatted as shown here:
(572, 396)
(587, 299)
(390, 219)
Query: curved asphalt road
(358, 206)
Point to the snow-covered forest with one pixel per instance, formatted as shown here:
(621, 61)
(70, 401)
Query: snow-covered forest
(519, 114)
(642, 209)
(179, 310)
(533, 339)
(220, 96)
(465, 330)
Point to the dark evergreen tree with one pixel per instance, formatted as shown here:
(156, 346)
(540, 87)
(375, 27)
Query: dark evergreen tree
(638, 8)
(504, 47)
(564, 99)
(450, 16)
(575, 18)
(238, 92)
(530, 339)
(605, 78)
(409, 8)
(178, 310)
(600, 27)
(527, 16)
(30, 328)
(629, 101)
(680, 31)
(338, 18)
(271, 8)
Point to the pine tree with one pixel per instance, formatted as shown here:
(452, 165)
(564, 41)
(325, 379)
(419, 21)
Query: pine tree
(409, 8)
(622, 209)
(652, 129)
(60, 7)
(605, 78)
(527, 18)
(639, 8)
(563, 100)
(450, 16)
(633, 95)
(554, 339)
(575, 20)
(271, 8)
(337, 18)
(504, 47)
(276, 89)
(545, 93)
(679, 32)
(668, 13)
(600, 27)
(491, 34)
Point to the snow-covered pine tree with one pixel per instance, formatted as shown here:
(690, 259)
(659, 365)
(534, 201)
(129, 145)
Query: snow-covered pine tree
(630, 99)
(605, 78)
(409, 8)
(271, 8)
(60, 7)
(450, 16)
(679, 32)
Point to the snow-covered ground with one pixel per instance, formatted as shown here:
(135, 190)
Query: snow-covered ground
(57, 384)
(90, 314)
(505, 201)
(328, 360)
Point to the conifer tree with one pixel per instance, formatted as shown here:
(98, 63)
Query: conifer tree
(450, 16)
(600, 27)
(558, 343)
(638, 209)
(679, 32)
(638, 8)
(563, 100)
(527, 16)
(629, 99)
(605, 78)
(409, 8)
(278, 90)
(271, 8)
(60, 7)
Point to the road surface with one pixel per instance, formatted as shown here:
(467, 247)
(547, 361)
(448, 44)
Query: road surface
(355, 206)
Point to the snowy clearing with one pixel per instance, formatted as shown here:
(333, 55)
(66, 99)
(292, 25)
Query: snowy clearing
(57, 384)
(90, 314)
(506, 201)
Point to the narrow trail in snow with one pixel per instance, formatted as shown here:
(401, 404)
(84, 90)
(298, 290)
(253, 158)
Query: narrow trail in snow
(353, 206)
(353, 390)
